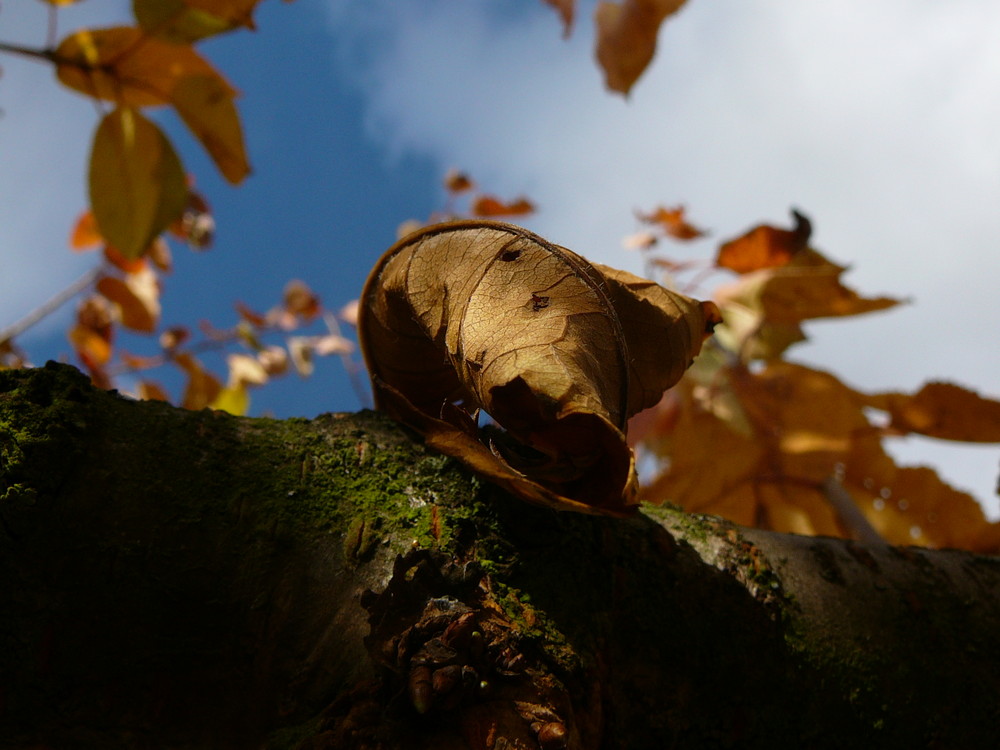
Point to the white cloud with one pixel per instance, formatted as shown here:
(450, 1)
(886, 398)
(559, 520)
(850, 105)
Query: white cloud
(877, 120)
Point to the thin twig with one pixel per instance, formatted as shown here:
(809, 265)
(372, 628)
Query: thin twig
(842, 502)
(22, 325)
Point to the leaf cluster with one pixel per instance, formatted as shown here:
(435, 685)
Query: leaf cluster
(764, 441)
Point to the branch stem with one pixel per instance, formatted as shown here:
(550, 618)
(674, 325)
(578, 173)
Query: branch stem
(49, 307)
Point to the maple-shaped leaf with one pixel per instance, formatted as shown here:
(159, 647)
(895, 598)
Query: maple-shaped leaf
(137, 184)
(473, 315)
(807, 286)
(673, 222)
(626, 38)
(765, 246)
(943, 410)
(490, 206)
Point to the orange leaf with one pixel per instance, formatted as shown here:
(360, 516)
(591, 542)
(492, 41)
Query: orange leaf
(147, 390)
(137, 298)
(85, 235)
(626, 38)
(673, 223)
(125, 65)
(128, 265)
(206, 104)
(945, 411)
(457, 182)
(487, 205)
(765, 247)
(92, 346)
(565, 10)
(202, 387)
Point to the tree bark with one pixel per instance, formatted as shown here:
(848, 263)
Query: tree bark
(176, 579)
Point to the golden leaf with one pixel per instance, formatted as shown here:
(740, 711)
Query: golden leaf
(945, 411)
(206, 104)
(183, 21)
(202, 387)
(125, 65)
(137, 184)
(626, 38)
(477, 315)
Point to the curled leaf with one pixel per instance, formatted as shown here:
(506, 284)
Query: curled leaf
(765, 246)
(488, 205)
(481, 315)
(945, 411)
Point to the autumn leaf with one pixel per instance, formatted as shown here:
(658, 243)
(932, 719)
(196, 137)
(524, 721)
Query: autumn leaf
(673, 222)
(457, 182)
(765, 246)
(945, 411)
(800, 290)
(206, 104)
(626, 38)
(182, 21)
(202, 387)
(85, 234)
(489, 206)
(147, 390)
(137, 184)
(560, 353)
(565, 10)
(137, 298)
(125, 65)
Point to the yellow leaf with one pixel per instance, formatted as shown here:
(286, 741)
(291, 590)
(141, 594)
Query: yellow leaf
(483, 315)
(806, 287)
(137, 183)
(205, 103)
(626, 38)
(233, 399)
(183, 21)
(125, 65)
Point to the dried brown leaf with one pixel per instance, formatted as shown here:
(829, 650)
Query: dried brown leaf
(626, 38)
(483, 315)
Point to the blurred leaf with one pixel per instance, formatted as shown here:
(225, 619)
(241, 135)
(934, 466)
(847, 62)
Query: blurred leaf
(457, 182)
(206, 104)
(673, 223)
(234, 399)
(792, 293)
(565, 10)
(202, 387)
(182, 21)
(765, 246)
(487, 205)
(300, 302)
(945, 411)
(274, 360)
(301, 351)
(125, 65)
(174, 337)
(85, 234)
(245, 370)
(196, 226)
(137, 298)
(626, 38)
(137, 184)
(148, 390)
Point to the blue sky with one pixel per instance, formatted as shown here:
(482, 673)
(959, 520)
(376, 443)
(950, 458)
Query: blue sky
(879, 121)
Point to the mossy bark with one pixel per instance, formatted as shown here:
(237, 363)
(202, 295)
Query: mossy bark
(179, 579)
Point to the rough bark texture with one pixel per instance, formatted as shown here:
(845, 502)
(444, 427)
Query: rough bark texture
(177, 579)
